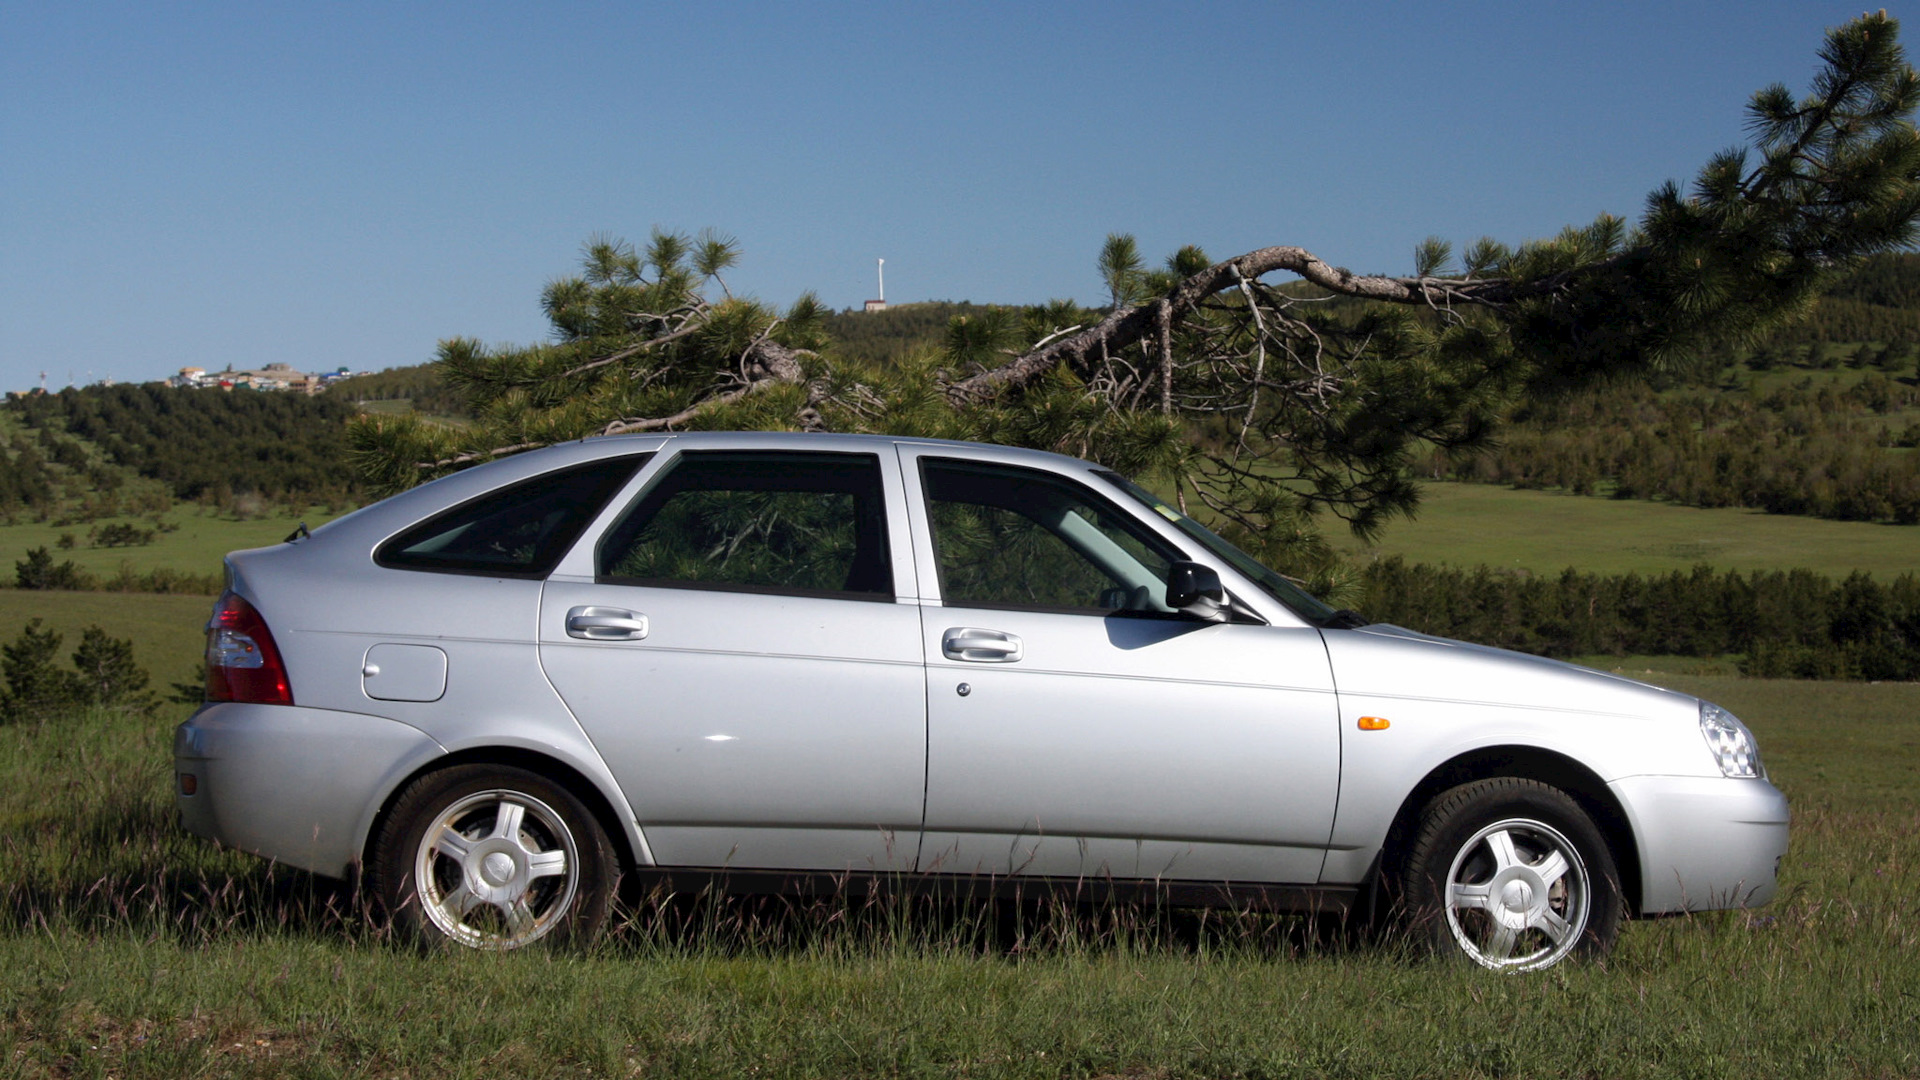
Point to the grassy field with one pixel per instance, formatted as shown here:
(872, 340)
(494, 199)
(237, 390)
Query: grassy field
(132, 951)
(196, 546)
(1469, 524)
(168, 632)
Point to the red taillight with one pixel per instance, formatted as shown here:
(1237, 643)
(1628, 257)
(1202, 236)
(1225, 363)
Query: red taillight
(243, 664)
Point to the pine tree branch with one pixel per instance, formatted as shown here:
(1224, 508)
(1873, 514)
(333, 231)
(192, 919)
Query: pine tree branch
(630, 425)
(629, 353)
(1129, 325)
(781, 365)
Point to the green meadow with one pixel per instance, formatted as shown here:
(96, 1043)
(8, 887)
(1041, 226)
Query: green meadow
(194, 542)
(132, 950)
(1464, 525)
(168, 632)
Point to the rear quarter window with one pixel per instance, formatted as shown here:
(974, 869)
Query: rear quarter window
(520, 530)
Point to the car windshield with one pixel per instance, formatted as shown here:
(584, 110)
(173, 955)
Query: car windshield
(1301, 601)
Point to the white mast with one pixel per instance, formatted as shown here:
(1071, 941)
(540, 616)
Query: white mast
(883, 280)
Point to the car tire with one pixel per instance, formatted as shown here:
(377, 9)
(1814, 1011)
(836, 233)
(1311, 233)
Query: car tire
(492, 857)
(1511, 874)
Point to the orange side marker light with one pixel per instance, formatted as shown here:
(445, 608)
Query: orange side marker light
(1374, 723)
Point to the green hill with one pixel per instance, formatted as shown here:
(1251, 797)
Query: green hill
(200, 444)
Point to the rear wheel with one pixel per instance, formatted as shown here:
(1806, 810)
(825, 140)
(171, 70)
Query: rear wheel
(1513, 875)
(493, 857)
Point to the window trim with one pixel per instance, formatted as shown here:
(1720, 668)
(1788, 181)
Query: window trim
(386, 554)
(885, 540)
(756, 590)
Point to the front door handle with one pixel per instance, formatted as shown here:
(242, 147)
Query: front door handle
(981, 646)
(606, 624)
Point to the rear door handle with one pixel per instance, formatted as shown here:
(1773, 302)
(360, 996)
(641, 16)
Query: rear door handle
(606, 624)
(981, 646)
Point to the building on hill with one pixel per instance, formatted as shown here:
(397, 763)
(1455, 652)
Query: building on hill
(276, 376)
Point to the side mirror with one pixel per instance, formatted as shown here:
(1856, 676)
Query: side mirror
(1196, 590)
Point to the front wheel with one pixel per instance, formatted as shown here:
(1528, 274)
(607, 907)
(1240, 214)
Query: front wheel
(492, 857)
(1512, 874)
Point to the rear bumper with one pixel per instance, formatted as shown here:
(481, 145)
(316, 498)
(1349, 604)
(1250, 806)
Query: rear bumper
(1705, 842)
(296, 785)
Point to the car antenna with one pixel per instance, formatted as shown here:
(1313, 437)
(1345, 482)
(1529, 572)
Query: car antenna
(299, 533)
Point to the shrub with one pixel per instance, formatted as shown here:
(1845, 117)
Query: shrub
(38, 571)
(1786, 625)
(105, 674)
(108, 674)
(34, 685)
(162, 579)
(121, 534)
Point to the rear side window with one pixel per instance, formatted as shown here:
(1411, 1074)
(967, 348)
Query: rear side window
(807, 524)
(518, 531)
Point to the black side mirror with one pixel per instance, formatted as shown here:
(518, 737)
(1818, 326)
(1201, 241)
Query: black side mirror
(1196, 590)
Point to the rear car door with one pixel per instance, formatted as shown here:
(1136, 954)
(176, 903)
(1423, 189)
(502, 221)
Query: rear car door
(745, 659)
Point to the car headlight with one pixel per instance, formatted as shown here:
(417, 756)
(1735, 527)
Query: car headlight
(1732, 744)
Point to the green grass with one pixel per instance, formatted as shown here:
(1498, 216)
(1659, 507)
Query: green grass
(196, 547)
(168, 632)
(1468, 524)
(133, 951)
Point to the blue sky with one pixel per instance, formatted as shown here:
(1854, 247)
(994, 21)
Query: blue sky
(347, 184)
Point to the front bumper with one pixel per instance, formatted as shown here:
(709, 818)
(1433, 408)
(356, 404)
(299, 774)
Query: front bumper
(296, 785)
(1705, 842)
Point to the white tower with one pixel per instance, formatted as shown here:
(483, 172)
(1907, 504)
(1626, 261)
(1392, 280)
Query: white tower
(880, 304)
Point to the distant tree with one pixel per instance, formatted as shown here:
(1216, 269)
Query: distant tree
(108, 675)
(39, 571)
(1257, 402)
(33, 684)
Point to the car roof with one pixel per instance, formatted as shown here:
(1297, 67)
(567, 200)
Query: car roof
(456, 487)
(606, 445)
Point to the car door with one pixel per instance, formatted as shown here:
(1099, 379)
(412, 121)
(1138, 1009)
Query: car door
(742, 660)
(1077, 726)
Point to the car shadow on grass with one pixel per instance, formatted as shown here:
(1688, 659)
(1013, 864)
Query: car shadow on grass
(711, 919)
(128, 868)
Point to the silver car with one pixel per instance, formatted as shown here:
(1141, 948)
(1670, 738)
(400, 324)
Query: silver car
(788, 660)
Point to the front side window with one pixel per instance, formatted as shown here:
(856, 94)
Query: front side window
(1301, 601)
(1018, 538)
(805, 524)
(518, 531)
